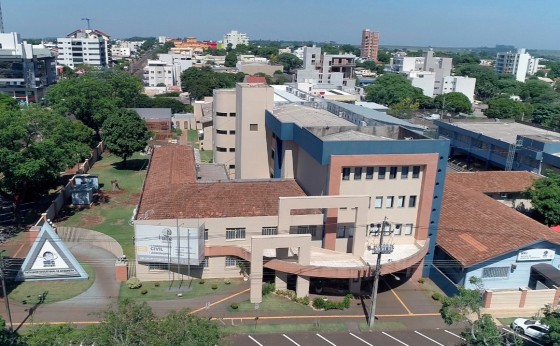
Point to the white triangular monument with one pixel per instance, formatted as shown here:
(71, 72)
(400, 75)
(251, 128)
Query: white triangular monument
(50, 259)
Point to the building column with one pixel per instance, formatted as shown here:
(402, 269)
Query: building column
(281, 280)
(355, 286)
(523, 297)
(487, 300)
(302, 286)
(556, 297)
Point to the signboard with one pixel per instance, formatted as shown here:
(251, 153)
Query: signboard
(536, 255)
(167, 244)
(50, 259)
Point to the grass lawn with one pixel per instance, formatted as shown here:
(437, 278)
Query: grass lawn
(205, 155)
(271, 303)
(27, 292)
(112, 217)
(506, 321)
(162, 292)
(250, 327)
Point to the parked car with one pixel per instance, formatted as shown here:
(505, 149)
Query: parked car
(530, 328)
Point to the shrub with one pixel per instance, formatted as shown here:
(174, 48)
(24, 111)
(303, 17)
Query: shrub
(144, 291)
(320, 303)
(227, 281)
(156, 284)
(267, 289)
(287, 293)
(421, 280)
(201, 282)
(134, 283)
(303, 300)
(437, 296)
(234, 306)
(347, 300)
(214, 286)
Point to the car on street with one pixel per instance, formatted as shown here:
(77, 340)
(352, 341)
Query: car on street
(532, 328)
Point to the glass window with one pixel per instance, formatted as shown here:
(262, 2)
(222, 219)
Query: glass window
(412, 201)
(393, 173)
(415, 172)
(381, 172)
(253, 127)
(220, 114)
(389, 202)
(404, 172)
(408, 229)
(397, 229)
(340, 231)
(231, 261)
(235, 233)
(358, 173)
(346, 174)
(269, 231)
(307, 230)
(495, 272)
(369, 173)
(400, 202)
(206, 234)
(205, 263)
(378, 202)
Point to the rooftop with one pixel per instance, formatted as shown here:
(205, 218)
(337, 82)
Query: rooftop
(153, 113)
(508, 131)
(172, 190)
(352, 135)
(474, 227)
(308, 116)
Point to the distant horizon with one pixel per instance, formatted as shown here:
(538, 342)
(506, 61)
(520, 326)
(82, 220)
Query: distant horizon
(431, 23)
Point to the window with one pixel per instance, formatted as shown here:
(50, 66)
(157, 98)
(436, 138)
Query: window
(253, 127)
(231, 166)
(232, 115)
(206, 234)
(220, 114)
(220, 149)
(231, 261)
(232, 150)
(232, 132)
(204, 263)
(272, 154)
(389, 202)
(341, 231)
(221, 132)
(307, 230)
(369, 173)
(346, 174)
(157, 267)
(378, 202)
(381, 173)
(400, 202)
(415, 172)
(408, 229)
(412, 201)
(404, 172)
(235, 233)
(269, 231)
(393, 173)
(397, 229)
(495, 272)
(358, 173)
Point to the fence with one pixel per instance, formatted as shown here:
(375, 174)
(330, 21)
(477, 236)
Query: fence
(523, 298)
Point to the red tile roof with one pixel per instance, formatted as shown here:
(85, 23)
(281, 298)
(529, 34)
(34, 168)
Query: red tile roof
(171, 190)
(255, 79)
(474, 227)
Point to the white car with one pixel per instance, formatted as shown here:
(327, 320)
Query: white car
(530, 328)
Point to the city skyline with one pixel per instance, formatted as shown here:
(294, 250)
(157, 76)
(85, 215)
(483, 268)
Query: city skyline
(434, 23)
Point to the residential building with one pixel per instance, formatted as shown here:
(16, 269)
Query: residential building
(502, 145)
(194, 44)
(120, 53)
(26, 70)
(254, 67)
(166, 70)
(224, 128)
(84, 47)
(519, 64)
(329, 69)
(234, 38)
(460, 84)
(370, 45)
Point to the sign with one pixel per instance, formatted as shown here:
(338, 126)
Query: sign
(167, 244)
(536, 255)
(50, 259)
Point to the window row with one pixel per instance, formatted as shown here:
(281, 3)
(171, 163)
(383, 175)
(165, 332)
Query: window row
(221, 114)
(224, 150)
(399, 201)
(382, 172)
(225, 132)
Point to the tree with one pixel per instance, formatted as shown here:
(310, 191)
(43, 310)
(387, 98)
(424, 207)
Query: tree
(125, 133)
(545, 198)
(536, 91)
(454, 102)
(508, 86)
(202, 82)
(383, 56)
(552, 320)
(404, 108)
(8, 103)
(289, 61)
(392, 88)
(486, 79)
(125, 88)
(506, 108)
(231, 59)
(547, 114)
(55, 335)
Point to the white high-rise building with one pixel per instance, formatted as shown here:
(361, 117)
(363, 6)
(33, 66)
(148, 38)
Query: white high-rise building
(519, 64)
(166, 70)
(235, 38)
(84, 47)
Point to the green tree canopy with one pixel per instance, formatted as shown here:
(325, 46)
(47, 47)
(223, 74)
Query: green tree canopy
(144, 101)
(486, 79)
(125, 133)
(454, 102)
(545, 198)
(392, 88)
(289, 61)
(506, 108)
(536, 91)
(383, 56)
(125, 88)
(231, 59)
(547, 114)
(508, 86)
(202, 82)
(8, 103)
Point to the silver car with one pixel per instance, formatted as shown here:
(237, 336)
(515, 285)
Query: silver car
(530, 328)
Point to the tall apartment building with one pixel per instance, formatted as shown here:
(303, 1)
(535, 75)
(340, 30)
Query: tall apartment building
(519, 64)
(235, 38)
(84, 47)
(330, 69)
(25, 70)
(166, 70)
(370, 45)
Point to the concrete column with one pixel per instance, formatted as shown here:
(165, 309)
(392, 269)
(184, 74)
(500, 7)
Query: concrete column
(523, 297)
(256, 288)
(121, 271)
(416, 270)
(281, 280)
(487, 301)
(556, 297)
(302, 286)
(355, 286)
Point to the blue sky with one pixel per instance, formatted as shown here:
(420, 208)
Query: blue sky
(438, 23)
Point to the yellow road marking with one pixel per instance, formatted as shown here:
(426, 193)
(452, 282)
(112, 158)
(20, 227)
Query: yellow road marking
(18, 250)
(219, 301)
(399, 299)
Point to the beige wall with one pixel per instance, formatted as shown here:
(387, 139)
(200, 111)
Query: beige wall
(252, 69)
(224, 102)
(251, 156)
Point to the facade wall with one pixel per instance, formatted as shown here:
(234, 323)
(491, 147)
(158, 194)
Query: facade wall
(463, 85)
(78, 51)
(224, 128)
(254, 68)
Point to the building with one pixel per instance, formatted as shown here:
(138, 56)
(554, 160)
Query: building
(158, 120)
(519, 64)
(329, 69)
(370, 45)
(120, 53)
(234, 38)
(166, 70)
(459, 84)
(191, 43)
(84, 47)
(503, 145)
(26, 70)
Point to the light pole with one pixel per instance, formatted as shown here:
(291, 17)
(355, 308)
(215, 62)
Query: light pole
(380, 250)
(6, 301)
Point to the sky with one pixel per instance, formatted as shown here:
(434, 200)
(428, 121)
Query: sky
(532, 24)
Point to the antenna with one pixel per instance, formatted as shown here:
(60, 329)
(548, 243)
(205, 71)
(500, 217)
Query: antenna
(86, 19)
(1, 20)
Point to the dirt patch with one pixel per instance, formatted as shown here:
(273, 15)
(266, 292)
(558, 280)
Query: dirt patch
(87, 221)
(133, 199)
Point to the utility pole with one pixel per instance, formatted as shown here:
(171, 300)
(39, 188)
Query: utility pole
(375, 287)
(6, 301)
